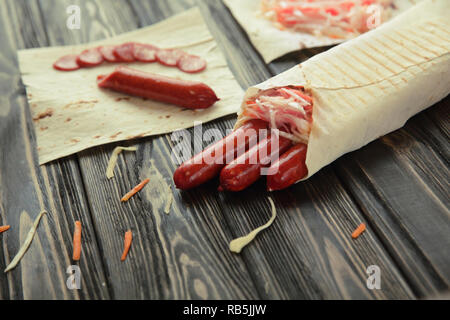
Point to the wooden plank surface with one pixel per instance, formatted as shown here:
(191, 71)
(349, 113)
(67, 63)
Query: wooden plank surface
(409, 178)
(307, 253)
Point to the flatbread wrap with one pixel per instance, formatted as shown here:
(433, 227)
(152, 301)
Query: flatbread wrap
(346, 97)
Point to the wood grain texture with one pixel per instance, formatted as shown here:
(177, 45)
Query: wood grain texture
(400, 182)
(57, 188)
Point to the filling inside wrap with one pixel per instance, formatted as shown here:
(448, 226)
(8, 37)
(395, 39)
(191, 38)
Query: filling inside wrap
(288, 109)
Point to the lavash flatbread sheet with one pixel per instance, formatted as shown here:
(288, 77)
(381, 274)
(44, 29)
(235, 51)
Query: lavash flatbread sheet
(371, 85)
(72, 114)
(273, 43)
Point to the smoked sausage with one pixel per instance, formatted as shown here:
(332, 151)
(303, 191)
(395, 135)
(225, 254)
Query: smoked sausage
(183, 93)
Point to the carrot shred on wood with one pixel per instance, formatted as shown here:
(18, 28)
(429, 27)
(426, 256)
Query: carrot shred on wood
(134, 190)
(77, 241)
(127, 244)
(4, 228)
(358, 231)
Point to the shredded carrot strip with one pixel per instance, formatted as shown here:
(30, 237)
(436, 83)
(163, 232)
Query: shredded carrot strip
(134, 190)
(77, 241)
(358, 231)
(127, 244)
(4, 228)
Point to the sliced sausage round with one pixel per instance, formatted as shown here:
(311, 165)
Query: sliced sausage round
(183, 93)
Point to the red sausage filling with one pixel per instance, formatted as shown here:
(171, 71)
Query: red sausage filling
(288, 109)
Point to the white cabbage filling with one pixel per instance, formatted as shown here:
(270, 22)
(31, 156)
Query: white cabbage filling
(284, 112)
(334, 18)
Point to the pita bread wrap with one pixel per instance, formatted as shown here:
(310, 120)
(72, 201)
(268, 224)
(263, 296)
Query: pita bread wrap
(371, 85)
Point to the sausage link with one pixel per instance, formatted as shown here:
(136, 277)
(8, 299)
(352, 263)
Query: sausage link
(183, 93)
(246, 169)
(291, 168)
(197, 170)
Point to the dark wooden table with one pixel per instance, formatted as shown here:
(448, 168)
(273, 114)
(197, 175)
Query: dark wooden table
(398, 185)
